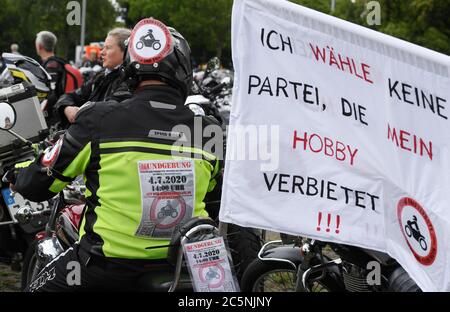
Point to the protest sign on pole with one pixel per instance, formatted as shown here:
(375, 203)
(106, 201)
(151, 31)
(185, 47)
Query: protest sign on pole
(339, 133)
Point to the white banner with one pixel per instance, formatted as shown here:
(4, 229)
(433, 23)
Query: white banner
(340, 133)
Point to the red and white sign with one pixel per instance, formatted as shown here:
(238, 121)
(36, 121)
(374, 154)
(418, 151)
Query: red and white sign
(339, 133)
(209, 266)
(418, 230)
(167, 196)
(167, 212)
(150, 42)
(212, 275)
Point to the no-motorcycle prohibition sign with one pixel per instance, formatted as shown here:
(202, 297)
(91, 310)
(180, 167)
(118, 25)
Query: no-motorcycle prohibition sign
(167, 212)
(418, 230)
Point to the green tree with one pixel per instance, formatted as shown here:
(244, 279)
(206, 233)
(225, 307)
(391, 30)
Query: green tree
(135, 10)
(205, 24)
(424, 22)
(20, 20)
(318, 5)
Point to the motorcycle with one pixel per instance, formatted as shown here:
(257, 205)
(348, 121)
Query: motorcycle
(212, 92)
(148, 41)
(167, 211)
(15, 238)
(62, 232)
(212, 274)
(307, 265)
(412, 229)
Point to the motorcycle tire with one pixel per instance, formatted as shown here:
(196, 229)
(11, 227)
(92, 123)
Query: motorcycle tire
(423, 244)
(400, 281)
(282, 278)
(29, 265)
(156, 45)
(244, 244)
(408, 231)
(139, 45)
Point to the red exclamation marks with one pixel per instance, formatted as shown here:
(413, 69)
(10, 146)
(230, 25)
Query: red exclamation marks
(328, 229)
(328, 222)
(319, 220)
(338, 222)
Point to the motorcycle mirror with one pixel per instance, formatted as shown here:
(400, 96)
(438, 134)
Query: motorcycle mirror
(7, 116)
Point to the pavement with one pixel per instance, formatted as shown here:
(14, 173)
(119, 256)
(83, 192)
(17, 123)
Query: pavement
(9, 280)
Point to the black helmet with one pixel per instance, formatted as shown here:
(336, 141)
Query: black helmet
(162, 54)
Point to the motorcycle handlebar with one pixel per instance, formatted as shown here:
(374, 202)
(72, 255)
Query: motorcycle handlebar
(217, 88)
(9, 177)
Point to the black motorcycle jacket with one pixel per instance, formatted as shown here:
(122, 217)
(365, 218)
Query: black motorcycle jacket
(102, 87)
(141, 183)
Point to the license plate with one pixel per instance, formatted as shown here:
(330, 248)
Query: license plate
(16, 202)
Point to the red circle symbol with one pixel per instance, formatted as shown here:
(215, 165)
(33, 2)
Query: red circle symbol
(213, 275)
(138, 42)
(408, 231)
(172, 209)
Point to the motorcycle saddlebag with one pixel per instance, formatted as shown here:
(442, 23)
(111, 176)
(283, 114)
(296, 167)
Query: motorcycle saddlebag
(30, 122)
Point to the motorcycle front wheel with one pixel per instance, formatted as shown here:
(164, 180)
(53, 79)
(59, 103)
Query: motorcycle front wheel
(244, 244)
(408, 231)
(30, 266)
(156, 45)
(272, 276)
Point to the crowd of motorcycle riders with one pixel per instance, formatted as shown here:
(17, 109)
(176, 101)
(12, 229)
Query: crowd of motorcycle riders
(112, 112)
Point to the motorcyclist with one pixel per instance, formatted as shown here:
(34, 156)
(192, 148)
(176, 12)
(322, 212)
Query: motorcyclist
(45, 48)
(150, 35)
(122, 149)
(15, 48)
(103, 86)
(414, 225)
